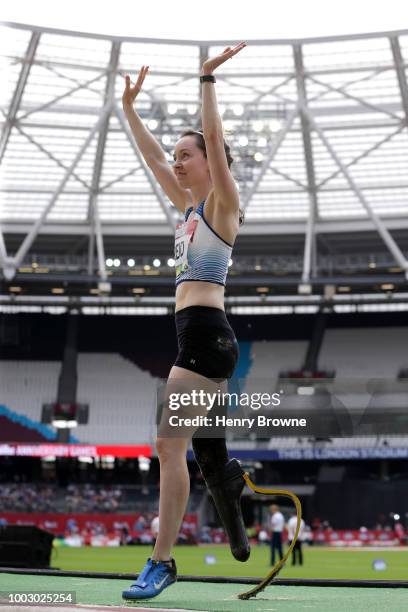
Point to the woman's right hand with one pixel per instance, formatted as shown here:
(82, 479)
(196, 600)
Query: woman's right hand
(130, 93)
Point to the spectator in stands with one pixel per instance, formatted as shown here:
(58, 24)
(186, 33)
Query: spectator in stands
(297, 549)
(400, 532)
(277, 525)
(205, 535)
(38, 498)
(140, 523)
(71, 526)
(316, 523)
(89, 499)
(25, 498)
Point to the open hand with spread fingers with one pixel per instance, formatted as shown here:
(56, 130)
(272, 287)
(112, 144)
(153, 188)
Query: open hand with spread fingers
(130, 93)
(212, 63)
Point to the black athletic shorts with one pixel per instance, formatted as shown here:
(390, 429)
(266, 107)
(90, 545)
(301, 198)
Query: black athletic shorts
(206, 341)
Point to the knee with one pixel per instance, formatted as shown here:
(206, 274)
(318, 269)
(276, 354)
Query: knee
(168, 449)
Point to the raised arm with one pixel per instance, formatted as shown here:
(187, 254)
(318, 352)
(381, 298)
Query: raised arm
(152, 152)
(225, 189)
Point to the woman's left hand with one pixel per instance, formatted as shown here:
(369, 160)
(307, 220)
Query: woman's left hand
(211, 64)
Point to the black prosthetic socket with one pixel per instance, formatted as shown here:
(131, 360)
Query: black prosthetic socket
(211, 455)
(225, 483)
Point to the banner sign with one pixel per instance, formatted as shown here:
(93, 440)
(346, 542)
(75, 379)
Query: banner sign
(74, 450)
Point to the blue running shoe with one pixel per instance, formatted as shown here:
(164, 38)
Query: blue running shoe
(154, 578)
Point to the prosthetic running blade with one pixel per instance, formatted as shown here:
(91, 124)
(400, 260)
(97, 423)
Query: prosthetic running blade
(280, 564)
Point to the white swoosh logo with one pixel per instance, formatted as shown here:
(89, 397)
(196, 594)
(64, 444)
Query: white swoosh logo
(157, 585)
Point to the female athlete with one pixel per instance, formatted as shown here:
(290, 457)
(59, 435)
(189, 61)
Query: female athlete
(201, 186)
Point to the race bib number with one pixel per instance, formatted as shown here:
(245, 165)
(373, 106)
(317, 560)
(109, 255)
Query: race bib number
(184, 235)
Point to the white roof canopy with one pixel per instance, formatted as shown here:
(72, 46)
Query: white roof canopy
(318, 130)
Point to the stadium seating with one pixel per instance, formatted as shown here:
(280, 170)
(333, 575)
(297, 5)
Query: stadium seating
(122, 400)
(26, 385)
(365, 352)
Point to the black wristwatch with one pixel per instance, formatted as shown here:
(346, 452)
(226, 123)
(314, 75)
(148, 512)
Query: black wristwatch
(207, 78)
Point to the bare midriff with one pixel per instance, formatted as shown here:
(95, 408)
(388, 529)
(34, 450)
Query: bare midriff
(199, 293)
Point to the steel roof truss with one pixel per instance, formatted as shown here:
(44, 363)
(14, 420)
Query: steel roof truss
(61, 97)
(374, 107)
(379, 225)
(271, 155)
(163, 205)
(366, 153)
(401, 76)
(310, 238)
(93, 208)
(29, 239)
(18, 92)
(51, 156)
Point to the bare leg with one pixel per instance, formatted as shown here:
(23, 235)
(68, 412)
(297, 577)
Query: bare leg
(174, 475)
(174, 492)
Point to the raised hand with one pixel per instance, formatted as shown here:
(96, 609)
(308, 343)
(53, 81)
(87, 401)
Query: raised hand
(130, 93)
(212, 63)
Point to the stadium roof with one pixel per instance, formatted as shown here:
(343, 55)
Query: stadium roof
(318, 130)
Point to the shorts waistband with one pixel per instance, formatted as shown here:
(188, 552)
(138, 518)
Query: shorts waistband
(193, 316)
(199, 310)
